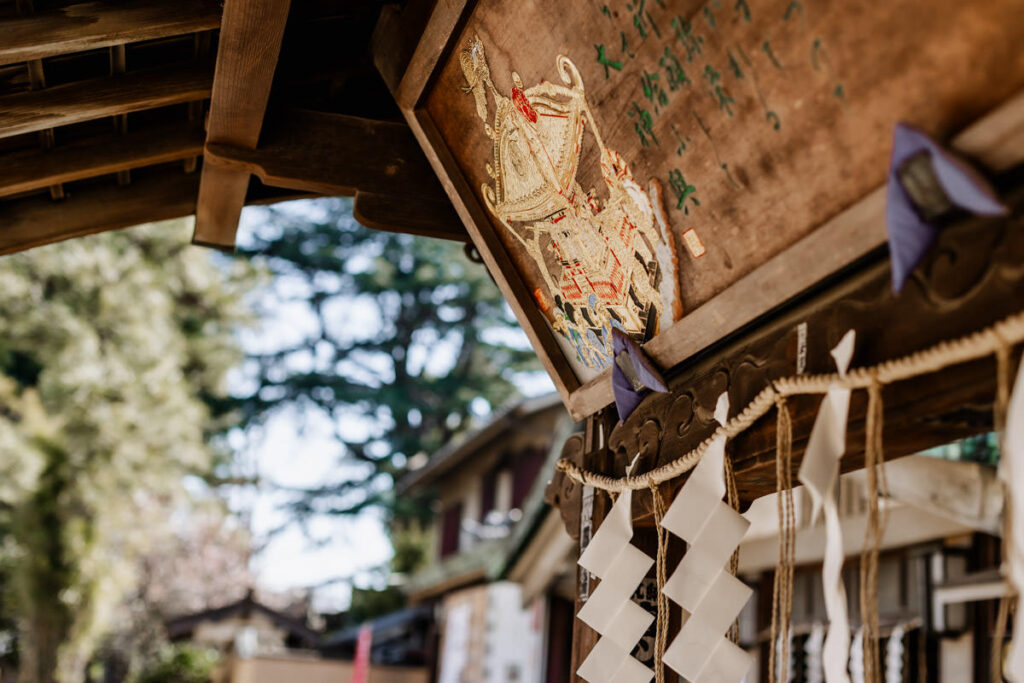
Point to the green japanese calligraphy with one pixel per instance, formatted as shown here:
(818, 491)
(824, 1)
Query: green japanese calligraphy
(603, 60)
(682, 190)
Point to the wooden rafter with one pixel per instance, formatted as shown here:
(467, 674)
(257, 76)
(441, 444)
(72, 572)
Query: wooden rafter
(378, 162)
(250, 40)
(37, 110)
(34, 169)
(35, 221)
(89, 25)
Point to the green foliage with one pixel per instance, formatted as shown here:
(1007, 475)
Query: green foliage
(411, 542)
(114, 348)
(368, 604)
(395, 341)
(180, 663)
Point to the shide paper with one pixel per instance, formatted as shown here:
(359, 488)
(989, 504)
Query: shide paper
(610, 611)
(1011, 469)
(819, 472)
(633, 374)
(910, 234)
(711, 598)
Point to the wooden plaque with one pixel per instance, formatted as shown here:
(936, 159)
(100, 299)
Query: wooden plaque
(679, 169)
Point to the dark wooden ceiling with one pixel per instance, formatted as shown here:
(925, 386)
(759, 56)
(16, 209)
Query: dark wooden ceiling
(107, 108)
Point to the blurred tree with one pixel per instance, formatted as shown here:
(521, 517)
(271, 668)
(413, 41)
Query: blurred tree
(197, 561)
(112, 369)
(180, 663)
(394, 342)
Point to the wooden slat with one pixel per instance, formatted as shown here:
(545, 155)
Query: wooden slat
(31, 111)
(35, 221)
(34, 169)
(250, 40)
(89, 25)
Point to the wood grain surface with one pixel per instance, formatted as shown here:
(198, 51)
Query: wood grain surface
(762, 120)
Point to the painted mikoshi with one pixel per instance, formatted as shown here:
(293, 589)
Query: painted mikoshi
(692, 202)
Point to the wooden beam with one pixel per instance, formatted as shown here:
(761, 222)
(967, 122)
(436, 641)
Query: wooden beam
(395, 213)
(34, 169)
(89, 25)
(379, 162)
(445, 18)
(36, 221)
(335, 154)
(36, 110)
(250, 40)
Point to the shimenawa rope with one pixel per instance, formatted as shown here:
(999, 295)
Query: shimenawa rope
(996, 339)
(983, 343)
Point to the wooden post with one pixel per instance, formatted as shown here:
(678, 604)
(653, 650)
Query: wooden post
(250, 40)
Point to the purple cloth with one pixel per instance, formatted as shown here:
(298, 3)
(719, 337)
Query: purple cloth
(627, 398)
(910, 235)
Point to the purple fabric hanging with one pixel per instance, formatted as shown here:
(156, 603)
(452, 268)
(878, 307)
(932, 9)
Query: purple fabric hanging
(911, 235)
(629, 393)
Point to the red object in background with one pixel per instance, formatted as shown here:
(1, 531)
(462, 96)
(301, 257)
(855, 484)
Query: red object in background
(361, 666)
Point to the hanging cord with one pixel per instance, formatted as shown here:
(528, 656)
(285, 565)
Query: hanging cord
(878, 519)
(661, 634)
(999, 412)
(732, 497)
(782, 589)
(944, 354)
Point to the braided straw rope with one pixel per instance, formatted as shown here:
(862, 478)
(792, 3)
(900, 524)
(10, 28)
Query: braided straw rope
(983, 343)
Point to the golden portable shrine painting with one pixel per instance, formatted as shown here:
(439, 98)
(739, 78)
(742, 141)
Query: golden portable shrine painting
(604, 261)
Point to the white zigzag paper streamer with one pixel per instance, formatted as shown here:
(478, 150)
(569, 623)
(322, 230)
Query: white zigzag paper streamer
(710, 597)
(819, 472)
(610, 611)
(1011, 470)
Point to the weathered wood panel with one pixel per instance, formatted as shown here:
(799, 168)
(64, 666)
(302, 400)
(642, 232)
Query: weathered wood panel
(33, 169)
(36, 110)
(89, 25)
(996, 142)
(250, 40)
(760, 120)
